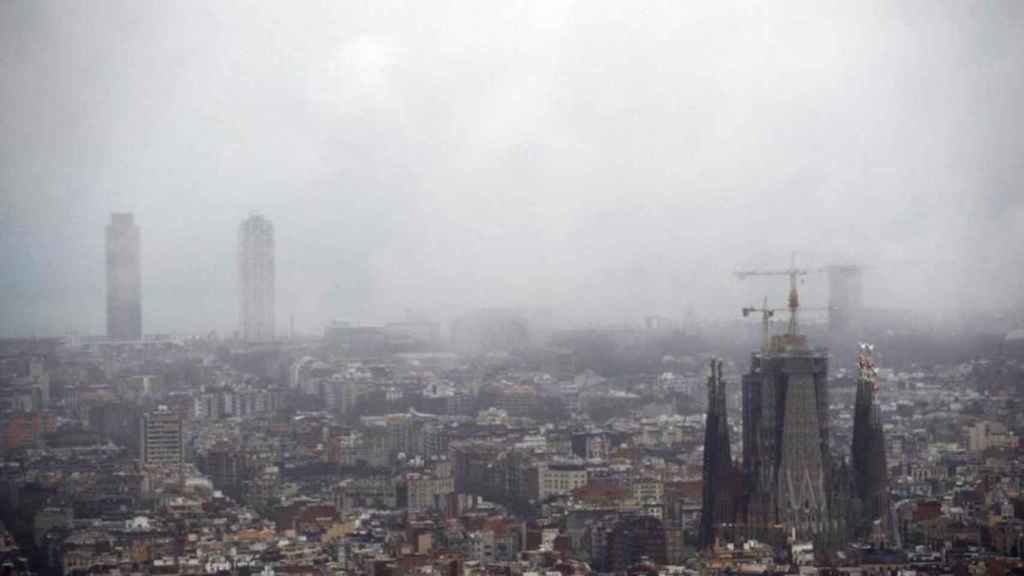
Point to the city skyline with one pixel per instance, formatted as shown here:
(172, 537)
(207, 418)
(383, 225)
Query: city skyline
(838, 294)
(511, 288)
(565, 163)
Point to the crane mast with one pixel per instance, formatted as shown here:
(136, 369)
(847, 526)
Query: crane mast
(766, 318)
(792, 338)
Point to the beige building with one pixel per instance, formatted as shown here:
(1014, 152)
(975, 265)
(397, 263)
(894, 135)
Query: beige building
(555, 479)
(987, 435)
(648, 490)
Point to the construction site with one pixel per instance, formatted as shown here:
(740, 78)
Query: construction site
(788, 488)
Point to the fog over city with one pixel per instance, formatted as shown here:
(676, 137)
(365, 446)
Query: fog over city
(558, 287)
(601, 160)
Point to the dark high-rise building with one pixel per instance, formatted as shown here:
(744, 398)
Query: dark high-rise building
(621, 541)
(227, 468)
(636, 539)
(870, 475)
(719, 501)
(124, 279)
(256, 278)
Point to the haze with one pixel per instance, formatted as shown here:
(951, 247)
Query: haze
(603, 160)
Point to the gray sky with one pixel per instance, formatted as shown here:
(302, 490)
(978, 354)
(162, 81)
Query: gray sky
(603, 159)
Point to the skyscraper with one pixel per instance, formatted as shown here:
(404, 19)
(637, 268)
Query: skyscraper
(256, 278)
(846, 300)
(124, 279)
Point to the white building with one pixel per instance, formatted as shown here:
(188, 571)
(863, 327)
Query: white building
(256, 278)
(555, 479)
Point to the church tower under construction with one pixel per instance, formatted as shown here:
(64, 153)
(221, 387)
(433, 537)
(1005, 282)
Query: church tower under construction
(787, 464)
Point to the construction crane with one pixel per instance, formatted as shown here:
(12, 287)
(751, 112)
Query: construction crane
(793, 330)
(766, 318)
(844, 296)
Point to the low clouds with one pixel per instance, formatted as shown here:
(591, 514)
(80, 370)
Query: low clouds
(603, 160)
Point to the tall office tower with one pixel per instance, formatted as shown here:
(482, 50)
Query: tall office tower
(162, 442)
(871, 478)
(718, 506)
(845, 299)
(124, 279)
(256, 278)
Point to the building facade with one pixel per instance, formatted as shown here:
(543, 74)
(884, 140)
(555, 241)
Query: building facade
(787, 462)
(256, 278)
(124, 279)
(162, 438)
(555, 479)
(619, 542)
(987, 435)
